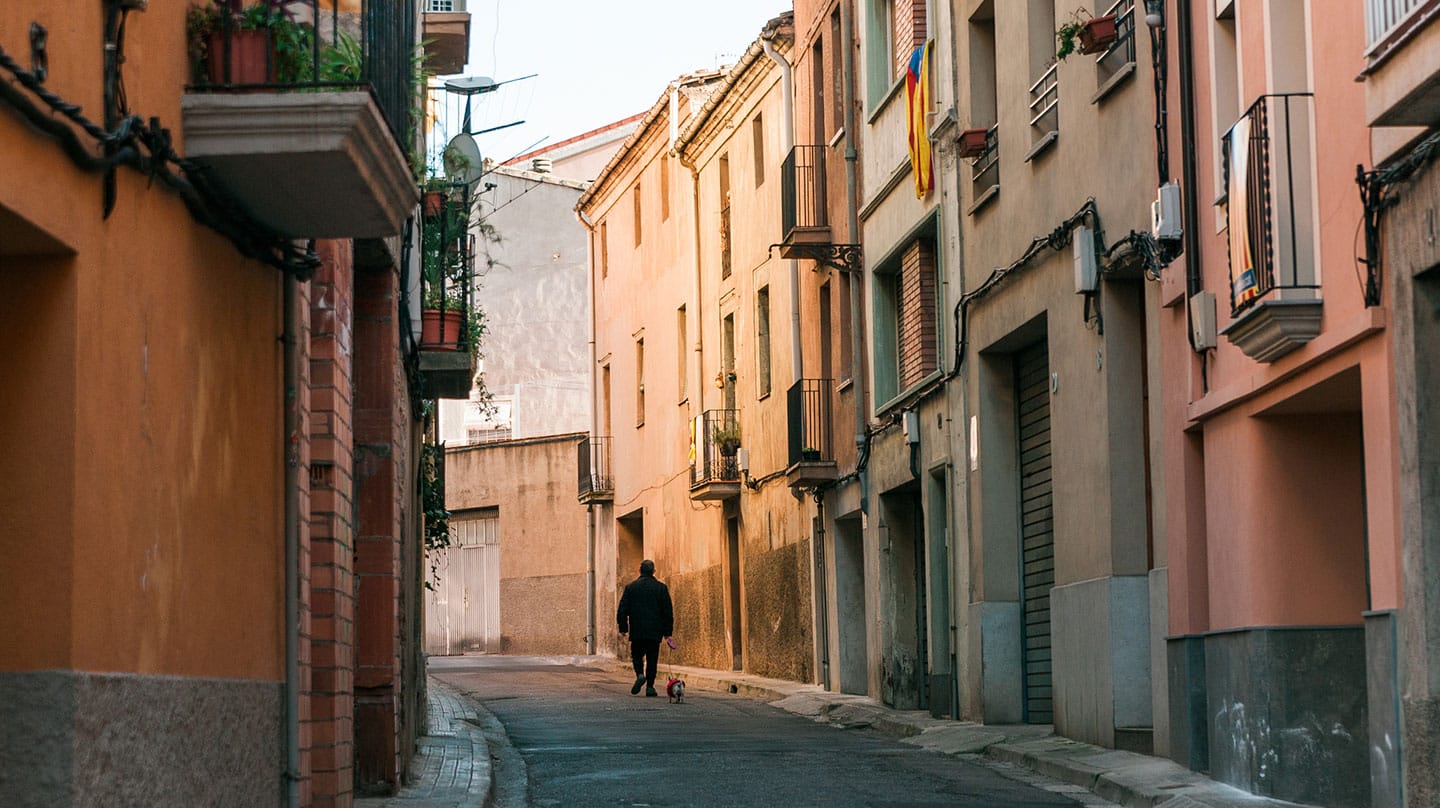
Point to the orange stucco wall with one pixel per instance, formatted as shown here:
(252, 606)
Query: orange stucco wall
(1282, 492)
(143, 420)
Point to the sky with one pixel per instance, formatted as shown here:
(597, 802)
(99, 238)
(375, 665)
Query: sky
(597, 62)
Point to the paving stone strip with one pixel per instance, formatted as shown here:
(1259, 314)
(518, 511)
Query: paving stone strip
(451, 767)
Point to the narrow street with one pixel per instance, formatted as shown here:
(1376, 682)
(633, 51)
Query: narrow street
(574, 736)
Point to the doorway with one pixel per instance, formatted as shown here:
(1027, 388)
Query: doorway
(904, 684)
(1037, 534)
(464, 613)
(735, 624)
(850, 607)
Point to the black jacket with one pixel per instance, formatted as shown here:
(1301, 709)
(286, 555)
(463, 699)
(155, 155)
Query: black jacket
(645, 610)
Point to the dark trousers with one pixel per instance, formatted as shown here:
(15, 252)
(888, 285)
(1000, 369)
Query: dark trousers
(645, 656)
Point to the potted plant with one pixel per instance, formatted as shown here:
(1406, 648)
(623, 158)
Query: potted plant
(727, 437)
(1085, 34)
(810, 455)
(972, 142)
(445, 268)
(264, 45)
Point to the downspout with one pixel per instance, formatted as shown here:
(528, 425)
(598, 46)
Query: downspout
(590, 526)
(852, 194)
(695, 288)
(291, 458)
(787, 143)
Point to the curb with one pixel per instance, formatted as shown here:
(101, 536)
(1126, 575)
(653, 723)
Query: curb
(1127, 778)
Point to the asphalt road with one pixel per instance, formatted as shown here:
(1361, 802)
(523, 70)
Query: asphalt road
(570, 734)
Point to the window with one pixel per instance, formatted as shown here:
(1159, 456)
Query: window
(895, 28)
(682, 353)
(843, 303)
(665, 187)
(837, 77)
(762, 341)
(635, 195)
(724, 216)
(604, 251)
(906, 319)
(605, 425)
(1117, 62)
(727, 359)
(757, 134)
(1044, 97)
(827, 295)
(817, 90)
(640, 382)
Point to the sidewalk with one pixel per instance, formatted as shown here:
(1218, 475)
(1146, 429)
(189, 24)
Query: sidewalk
(451, 767)
(1126, 778)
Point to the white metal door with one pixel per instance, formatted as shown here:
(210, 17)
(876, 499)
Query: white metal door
(464, 614)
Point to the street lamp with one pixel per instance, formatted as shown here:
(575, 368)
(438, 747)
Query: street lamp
(1154, 13)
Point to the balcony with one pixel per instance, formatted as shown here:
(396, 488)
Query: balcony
(450, 327)
(1044, 110)
(446, 33)
(809, 403)
(1117, 62)
(1275, 303)
(715, 465)
(985, 170)
(596, 482)
(802, 201)
(303, 113)
(1402, 77)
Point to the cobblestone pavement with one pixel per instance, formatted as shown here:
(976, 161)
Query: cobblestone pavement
(451, 768)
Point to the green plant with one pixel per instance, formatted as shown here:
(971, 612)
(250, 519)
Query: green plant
(1068, 34)
(293, 42)
(432, 505)
(727, 437)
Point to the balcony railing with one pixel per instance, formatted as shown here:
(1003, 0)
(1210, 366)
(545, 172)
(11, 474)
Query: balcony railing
(811, 425)
(308, 44)
(596, 481)
(717, 443)
(1270, 193)
(1383, 17)
(802, 190)
(985, 168)
(1122, 51)
(447, 262)
(1045, 102)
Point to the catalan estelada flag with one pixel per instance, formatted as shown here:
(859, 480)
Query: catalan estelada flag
(917, 95)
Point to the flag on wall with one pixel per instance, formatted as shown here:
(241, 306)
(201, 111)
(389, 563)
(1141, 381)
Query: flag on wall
(1244, 281)
(917, 95)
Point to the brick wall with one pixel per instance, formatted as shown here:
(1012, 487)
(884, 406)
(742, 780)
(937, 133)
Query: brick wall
(382, 432)
(918, 355)
(909, 27)
(329, 643)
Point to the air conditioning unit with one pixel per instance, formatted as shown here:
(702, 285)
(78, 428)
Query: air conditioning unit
(444, 6)
(1165, 214)
(1086, 276)
(1202, 320)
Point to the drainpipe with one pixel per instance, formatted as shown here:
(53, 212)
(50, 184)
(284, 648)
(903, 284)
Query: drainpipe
(787, 143)
(590, 525)
(852, 194)
(291, 458)
(695, 287)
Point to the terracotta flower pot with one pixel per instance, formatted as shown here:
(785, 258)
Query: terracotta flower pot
(434, 203)
(972, 142)
(249, 61)
(1098, 34)
(441, 331)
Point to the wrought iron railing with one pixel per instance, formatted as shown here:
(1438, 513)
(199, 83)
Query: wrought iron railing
(447, 255)
(594, 465)
(802, 189)
(1383, 17)
(1269, 190)
(985, 168)
(310, 44)
(811, 426)
(1045, 101)
(717, 444)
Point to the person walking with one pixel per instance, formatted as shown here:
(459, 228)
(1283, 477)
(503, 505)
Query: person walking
(646, 614)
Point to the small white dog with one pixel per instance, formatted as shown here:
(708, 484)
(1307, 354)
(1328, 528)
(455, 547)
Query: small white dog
(675, 690)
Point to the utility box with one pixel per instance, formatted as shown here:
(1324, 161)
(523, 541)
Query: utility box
(1202, 320)
(1165, 214)
(1086, 271)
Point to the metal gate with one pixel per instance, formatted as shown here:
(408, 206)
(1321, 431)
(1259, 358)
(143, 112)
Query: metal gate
(464, 605)
(1037, 535)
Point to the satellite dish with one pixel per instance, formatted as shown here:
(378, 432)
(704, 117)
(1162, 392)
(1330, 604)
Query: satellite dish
(462, 160)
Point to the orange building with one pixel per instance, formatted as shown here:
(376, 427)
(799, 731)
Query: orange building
(193, 549)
